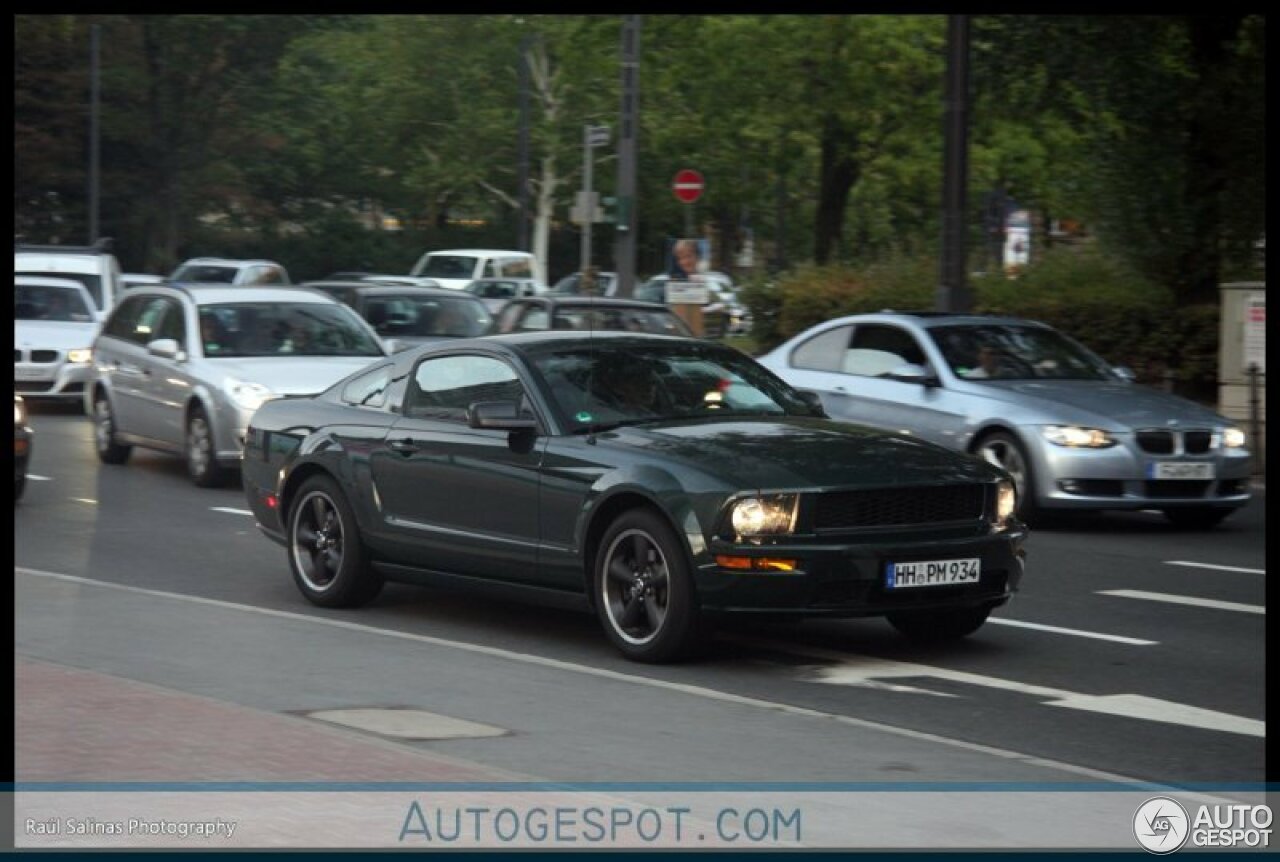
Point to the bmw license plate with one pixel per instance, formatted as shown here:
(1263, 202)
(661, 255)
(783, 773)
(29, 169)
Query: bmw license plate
(1180, 470)
(932, 573)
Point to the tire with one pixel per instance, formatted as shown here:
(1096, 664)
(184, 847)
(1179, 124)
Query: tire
(1197, 517)
(104, 433)
(1007, 452)
(644, 592)
(202, 460)
(939, 626)
(329, 563)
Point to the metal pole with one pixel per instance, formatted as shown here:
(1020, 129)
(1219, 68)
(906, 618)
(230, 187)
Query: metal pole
(587, 209)
(629, 132)
(952, 294)
(1255, 416)
(522, 176)
(94, 88)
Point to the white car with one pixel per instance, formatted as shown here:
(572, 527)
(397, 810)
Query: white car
(220, 270)
(54, 325)
(139, 279)
(94, 267)
(457, 268)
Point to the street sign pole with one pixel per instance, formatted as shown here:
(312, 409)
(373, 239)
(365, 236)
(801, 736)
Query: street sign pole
(629, 118)
(587, 214)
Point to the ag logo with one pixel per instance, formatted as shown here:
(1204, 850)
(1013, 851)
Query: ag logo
(1161, 825)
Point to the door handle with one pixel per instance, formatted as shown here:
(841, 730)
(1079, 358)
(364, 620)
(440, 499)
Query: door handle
(405, 447)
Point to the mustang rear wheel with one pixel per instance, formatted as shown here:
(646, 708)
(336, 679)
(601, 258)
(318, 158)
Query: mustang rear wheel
(935, 626)
(327, 558)
(644, 592)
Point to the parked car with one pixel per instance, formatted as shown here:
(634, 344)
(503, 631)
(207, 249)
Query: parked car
(497, 292)
(181, 368)
(94, 266)
(1073, 432)
(660, 480)
(217, 270)
(722, 298)
(22, 438)
(585, 313)
(54, 325)
(138, 279)
(571, 284)
(408, 316)
(380, 278)
(456, 268)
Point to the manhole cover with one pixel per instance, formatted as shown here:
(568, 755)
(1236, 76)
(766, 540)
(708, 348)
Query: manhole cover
(406, 723)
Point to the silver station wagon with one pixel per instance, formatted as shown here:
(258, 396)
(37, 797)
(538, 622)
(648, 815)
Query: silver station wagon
(183, 368)
(1072, 431)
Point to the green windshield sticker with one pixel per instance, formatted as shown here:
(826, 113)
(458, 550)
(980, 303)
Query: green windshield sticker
(584, 416)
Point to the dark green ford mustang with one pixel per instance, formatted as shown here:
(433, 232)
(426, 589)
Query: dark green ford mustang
(660, 480)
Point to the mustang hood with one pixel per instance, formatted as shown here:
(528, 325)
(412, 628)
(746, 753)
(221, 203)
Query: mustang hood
(802, 453)
(303, 375)
(1113, 406)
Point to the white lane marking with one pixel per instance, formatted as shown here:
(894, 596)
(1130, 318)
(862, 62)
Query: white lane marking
(589, 670)
(1120, 639)
(1212, 566)
(230, 511)
(1185, 600)
(36, 478)
(85, 500)
(864, 671)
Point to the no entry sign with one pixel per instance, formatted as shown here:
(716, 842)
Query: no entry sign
(688, 186)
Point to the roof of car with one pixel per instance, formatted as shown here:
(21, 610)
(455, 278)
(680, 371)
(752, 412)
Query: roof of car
(46, 281)
(599, 301)
(489, 251)
(373, 289)
(208, 293)
(931, 319)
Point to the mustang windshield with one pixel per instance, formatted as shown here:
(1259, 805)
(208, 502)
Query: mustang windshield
(283, 329)
(606, 385)
(1003, 352)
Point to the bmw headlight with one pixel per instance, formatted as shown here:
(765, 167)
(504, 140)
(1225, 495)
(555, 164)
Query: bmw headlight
(764, 516)
(85, 355)
(1233, 438)
(1076, 437)
(1006, 501)
(248, 396)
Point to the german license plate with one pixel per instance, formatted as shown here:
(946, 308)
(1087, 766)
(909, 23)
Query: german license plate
(932, 573)
(1180, 470)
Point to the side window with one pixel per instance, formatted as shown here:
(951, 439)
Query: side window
(144, 327)
(272, 275)
(443, 387)
(507, 319)
(173, 324)
(535, 320)
(823, 352)
(125, 318)
(877, 349)
(369, 389)
(489, 270)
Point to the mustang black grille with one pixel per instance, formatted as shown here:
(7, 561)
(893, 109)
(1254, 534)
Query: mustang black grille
(899, 507)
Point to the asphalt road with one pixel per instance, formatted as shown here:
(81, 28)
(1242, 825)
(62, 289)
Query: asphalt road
(1133, 650)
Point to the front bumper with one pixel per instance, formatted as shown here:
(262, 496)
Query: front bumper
(1119, 477)
(848, 579)
(55, 380)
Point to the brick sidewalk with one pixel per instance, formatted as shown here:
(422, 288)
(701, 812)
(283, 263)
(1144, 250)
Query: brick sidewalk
(77, 725)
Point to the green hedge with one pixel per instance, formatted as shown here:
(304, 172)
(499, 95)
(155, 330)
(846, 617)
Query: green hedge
(1099, 301)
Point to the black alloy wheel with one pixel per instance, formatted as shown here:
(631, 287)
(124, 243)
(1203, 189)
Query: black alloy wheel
(644, 592)
(327, 557)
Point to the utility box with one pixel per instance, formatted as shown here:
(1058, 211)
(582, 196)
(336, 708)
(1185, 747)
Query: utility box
(1242, 344)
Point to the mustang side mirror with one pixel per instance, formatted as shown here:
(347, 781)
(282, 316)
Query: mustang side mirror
(912, 373)
(814, 400)
(499, 415)
(166, 348)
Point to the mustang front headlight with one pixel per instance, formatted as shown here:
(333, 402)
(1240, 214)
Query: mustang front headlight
(1006, 501)
(1233, 438)
(84, 355)
(1076, 437)
(249, 396)
(769, 515)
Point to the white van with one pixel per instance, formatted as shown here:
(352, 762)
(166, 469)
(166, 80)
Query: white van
(457, 268)
(93, 266)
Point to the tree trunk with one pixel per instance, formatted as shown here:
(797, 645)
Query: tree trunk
(837, 175)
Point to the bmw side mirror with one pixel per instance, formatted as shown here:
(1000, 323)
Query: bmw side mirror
(166, 348)
(499, 416)
(814, 400)
(912, 373)
(1125, 373)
